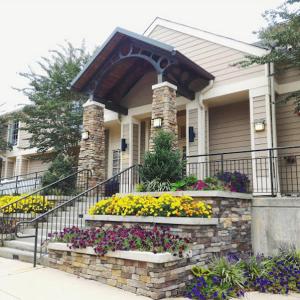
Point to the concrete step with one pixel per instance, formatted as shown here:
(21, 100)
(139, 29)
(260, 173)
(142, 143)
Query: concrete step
(25, 256)
(22, 245)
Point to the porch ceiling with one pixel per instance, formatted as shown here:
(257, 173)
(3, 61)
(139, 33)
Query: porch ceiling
(122, 61)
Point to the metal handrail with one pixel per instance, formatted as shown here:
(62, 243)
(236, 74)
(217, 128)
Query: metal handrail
(14, 212)
(76, 199)
(21, 175)
(273, 171)
(243, 151)
(43, 188)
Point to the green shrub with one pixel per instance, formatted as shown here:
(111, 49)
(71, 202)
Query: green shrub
(164, 163)
(61, 167)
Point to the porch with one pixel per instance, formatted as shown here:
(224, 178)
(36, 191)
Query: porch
(137, 86)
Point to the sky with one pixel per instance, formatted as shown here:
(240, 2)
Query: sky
(30, 28)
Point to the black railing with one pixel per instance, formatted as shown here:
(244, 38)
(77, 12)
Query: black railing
(71, 212)
(21, 184)
(270, 171)
(28, 207)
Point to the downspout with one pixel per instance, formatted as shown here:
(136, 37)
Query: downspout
(271, 93)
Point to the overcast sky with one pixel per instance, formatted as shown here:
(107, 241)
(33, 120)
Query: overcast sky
(29, 28)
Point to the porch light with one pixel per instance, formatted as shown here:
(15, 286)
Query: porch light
(123, 145)
(85, 135)
(259, 125)
(157, 122)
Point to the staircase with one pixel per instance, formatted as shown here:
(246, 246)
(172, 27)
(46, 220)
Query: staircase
(23, 248)
(27, 240)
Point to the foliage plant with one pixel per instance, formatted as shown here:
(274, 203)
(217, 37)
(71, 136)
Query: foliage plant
(184, 184)
(156, 185)
(156, 239)
(164, 206)
(164, 163)
(54, 117)
(235, 181)
(30, 204)
(61, 167)
(281, 36)
(231, 276)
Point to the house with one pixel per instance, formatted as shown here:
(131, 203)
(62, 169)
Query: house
(182, 79)
(20, 160)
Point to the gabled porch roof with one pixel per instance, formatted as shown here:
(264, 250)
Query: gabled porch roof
(122, 61)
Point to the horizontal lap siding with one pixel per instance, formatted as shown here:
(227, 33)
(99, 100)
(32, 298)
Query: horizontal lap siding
(37, 165)
(229, 128)
(288, 134)
(214, 58)
(135, 144)
(193, 122)
(288, 75)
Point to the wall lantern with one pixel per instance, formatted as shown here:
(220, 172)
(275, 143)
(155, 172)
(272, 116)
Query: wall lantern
(192, 134)
(157, 122)
(123, 145)
(259, 125)
(85, 135)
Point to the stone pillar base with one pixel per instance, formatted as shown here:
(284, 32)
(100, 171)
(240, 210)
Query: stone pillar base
(92, 147)
(164, 107)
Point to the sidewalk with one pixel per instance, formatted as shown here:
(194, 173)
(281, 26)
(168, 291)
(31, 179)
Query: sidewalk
(21, 281)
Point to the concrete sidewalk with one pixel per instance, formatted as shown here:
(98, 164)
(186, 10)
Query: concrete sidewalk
(21, 281)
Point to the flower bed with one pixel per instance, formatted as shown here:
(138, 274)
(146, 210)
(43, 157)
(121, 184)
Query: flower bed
(231, 276)
(31, 204)
(166, 205)
(155, 239)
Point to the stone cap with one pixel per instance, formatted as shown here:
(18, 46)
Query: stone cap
(164, 84)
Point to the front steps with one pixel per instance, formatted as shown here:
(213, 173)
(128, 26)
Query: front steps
(23, 248)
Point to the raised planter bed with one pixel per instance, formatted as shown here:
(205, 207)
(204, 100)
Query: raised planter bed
(154, 275)
(161, 275)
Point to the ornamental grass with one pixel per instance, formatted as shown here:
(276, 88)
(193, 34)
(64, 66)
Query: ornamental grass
(30, 204)
(164, 206)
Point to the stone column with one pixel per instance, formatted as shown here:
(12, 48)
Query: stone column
(92, 148)
(164, 107)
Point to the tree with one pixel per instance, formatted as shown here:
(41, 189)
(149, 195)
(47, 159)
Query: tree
(282, 38)
(54, 117)
(4, 145)
(164, 163)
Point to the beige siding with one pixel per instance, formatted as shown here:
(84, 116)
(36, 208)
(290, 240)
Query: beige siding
(193, 121)
(135, 144)
(288, 134)
(143, 142)
(229, 128)
(141, 93)
(214, 58)
(259, 113)
(289, 75)
(114, 144)
(37, 165)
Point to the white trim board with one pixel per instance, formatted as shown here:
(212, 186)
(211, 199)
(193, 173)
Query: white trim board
(214, 38)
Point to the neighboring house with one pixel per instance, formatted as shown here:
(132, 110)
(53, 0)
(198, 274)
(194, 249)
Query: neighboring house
(182, 79)
(20, 160)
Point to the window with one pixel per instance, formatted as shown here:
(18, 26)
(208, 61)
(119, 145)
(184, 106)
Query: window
(116, 162)
(13, 133)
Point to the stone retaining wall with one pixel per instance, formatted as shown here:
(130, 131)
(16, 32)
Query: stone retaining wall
(229, 231)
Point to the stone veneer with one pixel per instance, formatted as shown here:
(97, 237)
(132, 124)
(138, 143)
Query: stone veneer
(92, 150)
(164, 106)
(229, 231)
